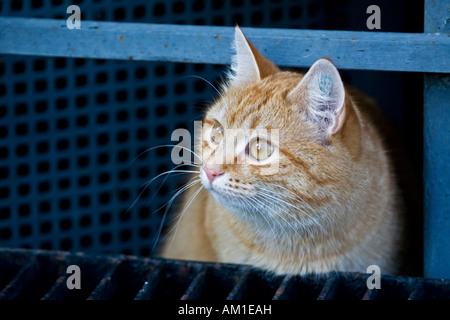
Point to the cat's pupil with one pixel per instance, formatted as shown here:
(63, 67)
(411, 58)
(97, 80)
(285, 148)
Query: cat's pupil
(260, 149)
(217, 133)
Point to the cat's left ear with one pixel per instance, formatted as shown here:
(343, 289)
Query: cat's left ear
(248, 64)
(321, 94)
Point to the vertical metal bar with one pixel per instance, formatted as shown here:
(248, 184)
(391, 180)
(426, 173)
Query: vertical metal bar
(436, 19)
(436, 154)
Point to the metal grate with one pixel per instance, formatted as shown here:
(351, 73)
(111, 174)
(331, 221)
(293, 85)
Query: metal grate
(34, 274)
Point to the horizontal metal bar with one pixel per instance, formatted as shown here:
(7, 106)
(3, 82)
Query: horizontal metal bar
(210, 44)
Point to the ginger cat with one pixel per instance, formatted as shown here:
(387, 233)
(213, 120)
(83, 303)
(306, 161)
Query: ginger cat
(332, 203)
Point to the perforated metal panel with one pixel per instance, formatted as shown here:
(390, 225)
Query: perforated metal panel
(70, 128)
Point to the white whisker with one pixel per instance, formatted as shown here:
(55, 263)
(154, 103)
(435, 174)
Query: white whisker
(169, 204)
(180, 216)
(195, 76)
(147, 184)
(166, 146)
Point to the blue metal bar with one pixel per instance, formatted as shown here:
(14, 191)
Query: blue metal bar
(437, 154)
(207, 44)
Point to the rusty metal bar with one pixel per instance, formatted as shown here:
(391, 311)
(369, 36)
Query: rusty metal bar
(371, 294)
(24, 277)
(329, 289)
(281, 291)
(237, 292)
(57, 290)
(145, 293)
(194, 290)
(418, 291)
(106, 287)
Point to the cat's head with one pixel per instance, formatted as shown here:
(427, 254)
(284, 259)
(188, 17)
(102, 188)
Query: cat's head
(275, 140)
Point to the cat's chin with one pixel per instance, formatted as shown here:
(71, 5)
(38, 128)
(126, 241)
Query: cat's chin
(227, 200)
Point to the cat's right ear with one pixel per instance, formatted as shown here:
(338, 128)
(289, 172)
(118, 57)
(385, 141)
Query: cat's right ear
(321, 95)
(248, 64)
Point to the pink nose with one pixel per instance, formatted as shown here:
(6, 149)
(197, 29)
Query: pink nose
(213, 171)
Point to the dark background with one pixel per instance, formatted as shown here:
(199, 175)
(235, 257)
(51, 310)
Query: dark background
(70, 128)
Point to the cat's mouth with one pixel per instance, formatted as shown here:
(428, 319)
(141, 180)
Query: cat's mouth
(225, 190)
(232, 200)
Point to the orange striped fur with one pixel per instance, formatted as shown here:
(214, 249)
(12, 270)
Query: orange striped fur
(332, 205)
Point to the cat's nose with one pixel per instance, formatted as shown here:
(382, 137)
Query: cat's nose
(213, 171)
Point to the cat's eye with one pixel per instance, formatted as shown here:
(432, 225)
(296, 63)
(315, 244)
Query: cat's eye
(217, 133)
(260, 149)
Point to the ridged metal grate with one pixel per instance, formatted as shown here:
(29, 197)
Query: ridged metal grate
(34, 274)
